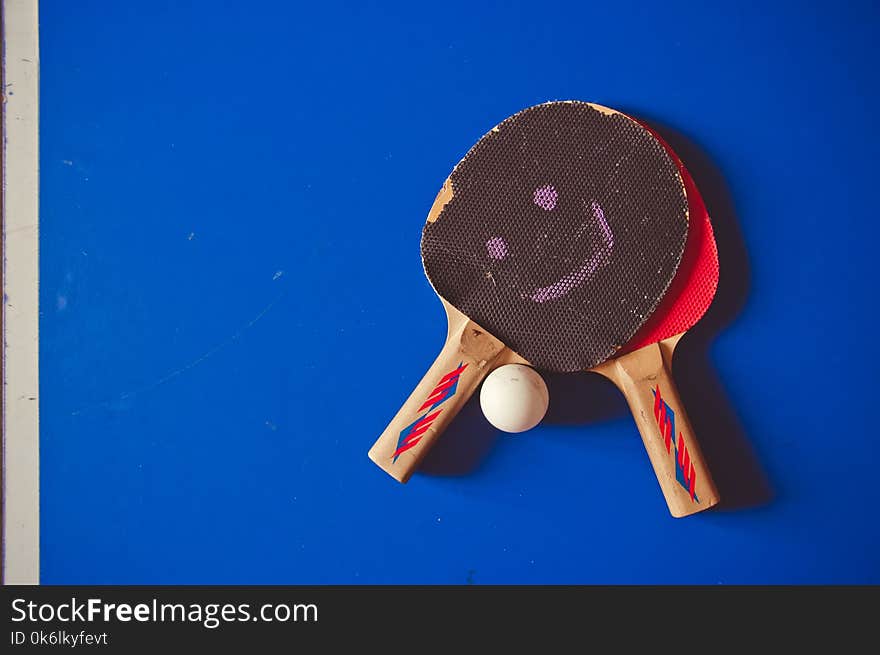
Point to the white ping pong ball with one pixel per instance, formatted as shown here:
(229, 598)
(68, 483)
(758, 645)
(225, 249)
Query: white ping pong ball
(514, 398)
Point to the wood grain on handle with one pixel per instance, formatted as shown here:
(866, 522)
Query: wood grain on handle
(465, 360)
(644, 378)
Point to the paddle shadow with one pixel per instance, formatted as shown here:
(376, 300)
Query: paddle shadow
(464, 445)
(582, 399)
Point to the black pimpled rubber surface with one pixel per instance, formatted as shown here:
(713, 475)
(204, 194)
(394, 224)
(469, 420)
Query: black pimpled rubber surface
(565, 228)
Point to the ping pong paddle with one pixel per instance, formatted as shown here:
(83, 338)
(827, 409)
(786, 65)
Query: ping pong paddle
(554, 239)
(642, 370)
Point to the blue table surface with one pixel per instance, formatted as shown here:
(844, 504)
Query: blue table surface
(233, 304)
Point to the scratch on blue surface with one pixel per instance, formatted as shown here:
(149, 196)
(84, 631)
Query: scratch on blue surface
(183, 369)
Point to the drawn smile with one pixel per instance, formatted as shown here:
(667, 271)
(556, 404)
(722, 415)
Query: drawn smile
(577, 277)
(546, 197)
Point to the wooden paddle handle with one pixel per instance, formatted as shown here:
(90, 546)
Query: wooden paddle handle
(452, 379)
(644, 378)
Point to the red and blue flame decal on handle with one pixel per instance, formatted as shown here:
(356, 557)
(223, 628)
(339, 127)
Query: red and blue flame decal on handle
(684, 468)
(445, 389)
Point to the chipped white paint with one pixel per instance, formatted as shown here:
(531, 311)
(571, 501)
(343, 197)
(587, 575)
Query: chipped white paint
(21, 470)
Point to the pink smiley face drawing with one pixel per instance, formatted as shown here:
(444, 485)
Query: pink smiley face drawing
(546, 197)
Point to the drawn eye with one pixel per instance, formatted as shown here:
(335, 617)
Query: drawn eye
(546, 196)
(496, 248)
